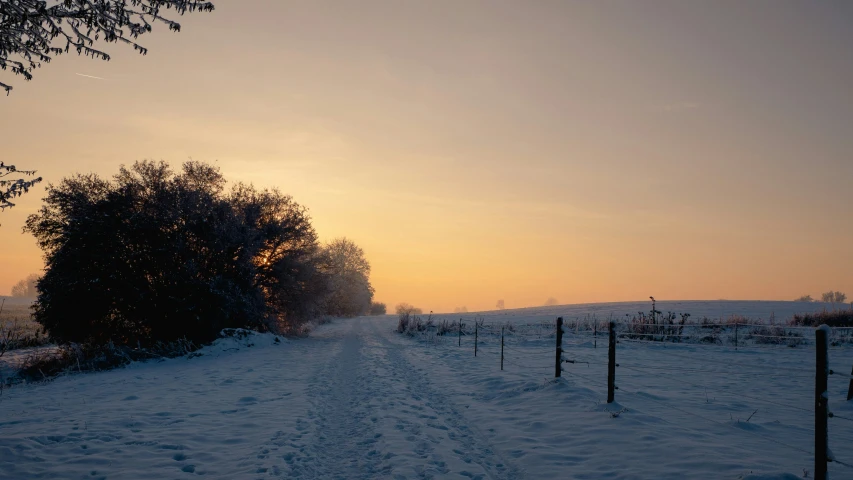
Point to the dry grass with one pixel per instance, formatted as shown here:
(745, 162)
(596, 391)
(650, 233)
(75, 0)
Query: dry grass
(20, 314)
(18, 330)
(839, 318)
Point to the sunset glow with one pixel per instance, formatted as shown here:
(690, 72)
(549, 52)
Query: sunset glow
(480, 150)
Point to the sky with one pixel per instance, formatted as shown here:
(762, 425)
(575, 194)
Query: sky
(486, 150)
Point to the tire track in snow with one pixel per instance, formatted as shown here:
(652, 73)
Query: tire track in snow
(468, 445)
(343, 442)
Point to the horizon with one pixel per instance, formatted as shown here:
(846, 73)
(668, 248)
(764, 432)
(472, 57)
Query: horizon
(590, 153)
(815, 305)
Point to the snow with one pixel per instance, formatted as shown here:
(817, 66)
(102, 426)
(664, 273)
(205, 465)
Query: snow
(356, 400)
(712, 309)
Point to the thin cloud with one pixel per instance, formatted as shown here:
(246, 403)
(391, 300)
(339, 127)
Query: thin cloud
(678, 107)
(90, 76)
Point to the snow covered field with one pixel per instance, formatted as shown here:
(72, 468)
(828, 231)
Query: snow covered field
(358, 400)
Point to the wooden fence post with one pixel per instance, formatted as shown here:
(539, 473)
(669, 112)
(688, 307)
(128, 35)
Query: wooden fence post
(502, 348)
(476, 326)
(611, 363)
(850, 387)
(821, 437)
(557, 365)
(594, 334)
(735, 335)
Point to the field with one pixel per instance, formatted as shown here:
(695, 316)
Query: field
(18, 315)
(358, 400)
(16, 323)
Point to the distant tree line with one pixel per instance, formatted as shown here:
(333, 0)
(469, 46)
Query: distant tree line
(26, 288)
(155, 255)
(377, 308)
(826, 297)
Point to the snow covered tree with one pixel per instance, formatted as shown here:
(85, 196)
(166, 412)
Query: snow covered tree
(26, 288)
(349, 275)
(156, 255)
(13, 183)
(29, 29)
(290, 264)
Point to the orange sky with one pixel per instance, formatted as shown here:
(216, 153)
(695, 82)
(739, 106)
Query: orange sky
(485, 150)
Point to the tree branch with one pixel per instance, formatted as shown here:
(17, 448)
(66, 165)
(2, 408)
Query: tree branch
(29, 27)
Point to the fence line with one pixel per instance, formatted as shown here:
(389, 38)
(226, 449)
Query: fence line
(518, 350)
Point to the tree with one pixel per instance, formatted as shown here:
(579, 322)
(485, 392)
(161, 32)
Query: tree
(283, 247)
(378, 308)
(833, 297)
(349, 274)
(26, 288)
(157, 256)
(406, 309)
(805, 298)
(551, 302)
(29, 28)
(500, 305)
(460, 310)
(14, 187)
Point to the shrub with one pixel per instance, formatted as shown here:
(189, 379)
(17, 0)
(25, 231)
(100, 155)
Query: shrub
(840, 318)
(157, 256)
(663, 328)
(447, 326)
(774, 335)
(377, 308)
(45, 364)
(406, 309)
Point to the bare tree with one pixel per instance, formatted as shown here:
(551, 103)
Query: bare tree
(834, 297)
(805, 298)
(29, 28)
(406, 309)
(26, 288)
(500, 305)
(460, 310)
(551, 302)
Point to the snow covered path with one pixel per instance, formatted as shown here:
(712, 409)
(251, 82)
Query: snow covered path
(356, 400)
(374, 415)
(344, 403)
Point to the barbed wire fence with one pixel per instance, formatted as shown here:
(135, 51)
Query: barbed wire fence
(586, 351)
